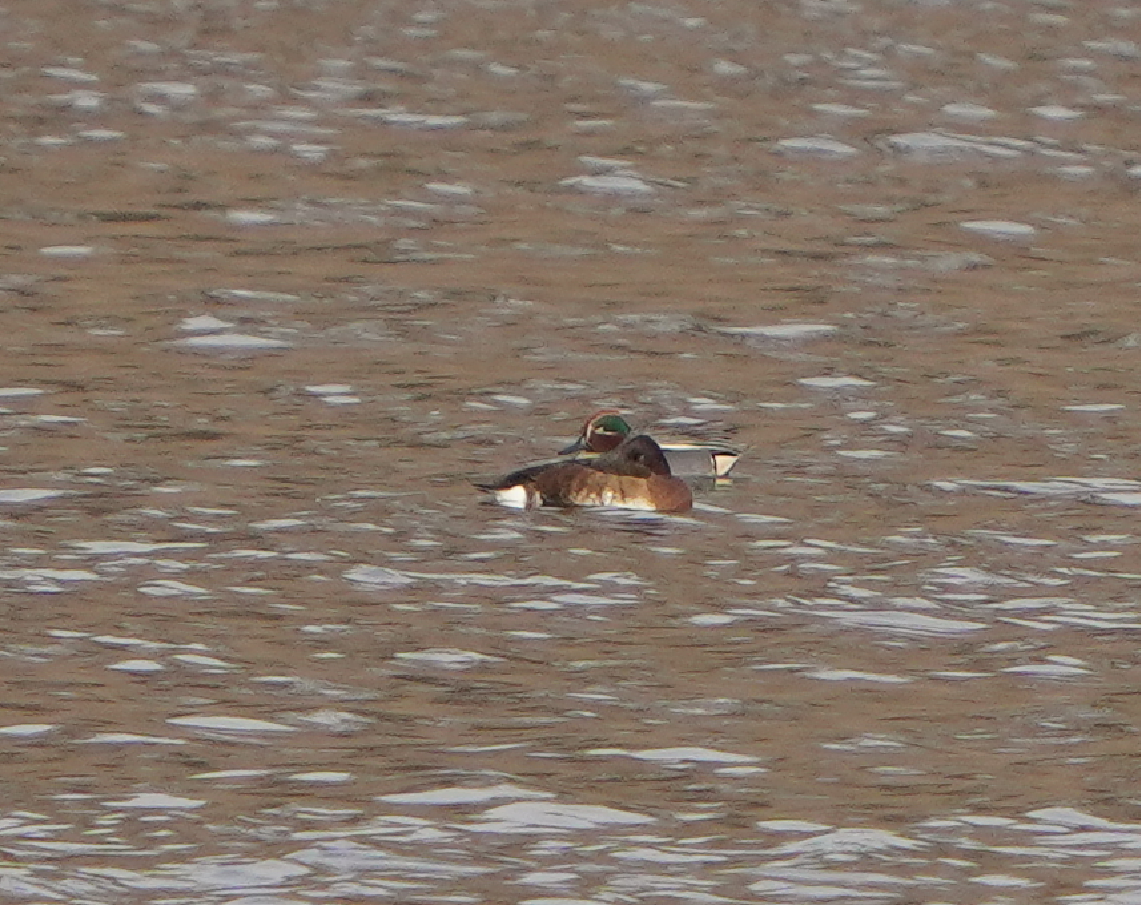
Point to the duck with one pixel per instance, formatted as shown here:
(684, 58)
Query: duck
(635, 474)
(605, 430)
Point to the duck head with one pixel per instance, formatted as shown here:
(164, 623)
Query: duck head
(602, 432)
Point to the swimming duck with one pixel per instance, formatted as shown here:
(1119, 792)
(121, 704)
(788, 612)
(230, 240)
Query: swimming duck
(604, 430)
(633, 475)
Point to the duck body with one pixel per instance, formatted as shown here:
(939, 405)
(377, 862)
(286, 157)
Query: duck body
(633, 475)
(607, 429)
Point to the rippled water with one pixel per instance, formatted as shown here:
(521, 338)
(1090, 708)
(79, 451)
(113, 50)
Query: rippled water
(282, 279)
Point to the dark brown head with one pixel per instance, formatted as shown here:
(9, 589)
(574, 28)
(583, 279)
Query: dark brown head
(666, 493)
(639, 456)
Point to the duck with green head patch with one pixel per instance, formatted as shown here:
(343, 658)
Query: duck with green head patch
(605, 430)
(632, 475)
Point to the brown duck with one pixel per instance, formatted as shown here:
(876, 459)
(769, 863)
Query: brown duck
(633, 475)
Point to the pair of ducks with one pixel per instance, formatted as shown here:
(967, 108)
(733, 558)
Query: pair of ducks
(609, 466)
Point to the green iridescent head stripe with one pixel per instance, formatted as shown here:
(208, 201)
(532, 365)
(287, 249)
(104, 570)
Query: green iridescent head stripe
(610, 424)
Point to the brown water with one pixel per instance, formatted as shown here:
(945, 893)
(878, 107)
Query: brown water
(265, 643)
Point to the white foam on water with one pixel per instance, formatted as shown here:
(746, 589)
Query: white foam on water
(239, 342)
(791, 826)
(169, 587)
(1119, 499)
(229, 724)
(813, 892)
(1047, 670)
(531, 816)
(49, 575)
(1004, 881)
(1056, 112)
(694, 755)
(851, 841)
(176, 92)
(446, 658)
(204, 323)
(1066, 486)
(114, 547)
(279, 524)
(836, 383)
(1001, 230)
(209, 664)
(713, 619)
(610, 184)
(905, 623)
(68, 251)
(545, 900)
(593, 600)
(338, 721)
(17, 495)
(425, 121)
(347, 857)
(137, 667)
(126, 738)
(156, 800)
(463, 796)
(850, 675)
(205, 877)
(660, 856)
(253, 218)
(378, 576)
(818, 147)
(318, 777)
(27, 730)
(781, 331)
(1075, 819)
(968, 575)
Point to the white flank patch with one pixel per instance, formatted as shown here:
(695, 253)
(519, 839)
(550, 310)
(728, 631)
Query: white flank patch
(723, 462)
(515, 497)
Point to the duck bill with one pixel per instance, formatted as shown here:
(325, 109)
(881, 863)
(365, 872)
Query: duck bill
(578, 446)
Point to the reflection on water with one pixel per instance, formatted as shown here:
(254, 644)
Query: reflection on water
(271, 306)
